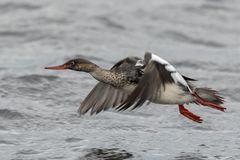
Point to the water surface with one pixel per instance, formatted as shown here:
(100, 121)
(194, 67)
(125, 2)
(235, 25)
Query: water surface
(38, 108)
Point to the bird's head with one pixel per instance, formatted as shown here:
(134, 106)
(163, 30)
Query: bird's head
(77, 65)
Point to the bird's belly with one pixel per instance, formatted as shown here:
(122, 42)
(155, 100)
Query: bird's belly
(173, 94)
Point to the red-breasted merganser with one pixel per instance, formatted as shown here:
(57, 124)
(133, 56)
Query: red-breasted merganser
(133, 81)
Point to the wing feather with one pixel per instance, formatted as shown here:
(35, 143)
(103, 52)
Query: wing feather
(155, 77)
(104, 96)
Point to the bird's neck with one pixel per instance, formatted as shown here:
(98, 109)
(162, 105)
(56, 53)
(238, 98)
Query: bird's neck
(108, 76)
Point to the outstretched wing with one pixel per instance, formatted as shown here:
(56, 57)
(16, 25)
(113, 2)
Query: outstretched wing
(104, 96)
(157, 74)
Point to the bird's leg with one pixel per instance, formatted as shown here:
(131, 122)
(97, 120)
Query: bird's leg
(189, 114)
(207, 103)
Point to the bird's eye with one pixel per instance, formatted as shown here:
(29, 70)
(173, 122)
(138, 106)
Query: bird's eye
(73, 63)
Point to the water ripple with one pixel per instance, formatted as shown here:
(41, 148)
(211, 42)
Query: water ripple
(27, 152)
(175, 35)
(215, 7)
(10, 114)
(12, 7)
(190, 156)
(73, 139)
(107, 154)
(109, 23)
(35, 78)
(6, 142)
(14, 34)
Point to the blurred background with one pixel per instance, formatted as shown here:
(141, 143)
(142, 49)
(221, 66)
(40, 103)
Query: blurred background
(38, 108)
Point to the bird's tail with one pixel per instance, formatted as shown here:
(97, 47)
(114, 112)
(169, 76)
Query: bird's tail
(209, 97)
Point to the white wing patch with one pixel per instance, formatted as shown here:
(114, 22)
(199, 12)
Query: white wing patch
(177, 77)
(159, 59)
(170, 68)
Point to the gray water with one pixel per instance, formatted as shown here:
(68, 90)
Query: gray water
(38, 108)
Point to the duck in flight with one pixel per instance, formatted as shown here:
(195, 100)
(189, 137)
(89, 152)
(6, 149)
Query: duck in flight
(133, 81)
